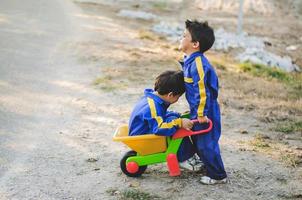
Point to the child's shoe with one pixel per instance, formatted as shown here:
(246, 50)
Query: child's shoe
(192, 164)
(209, 181)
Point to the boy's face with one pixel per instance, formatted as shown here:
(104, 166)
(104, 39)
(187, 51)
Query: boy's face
(172, 98)
(186, 45)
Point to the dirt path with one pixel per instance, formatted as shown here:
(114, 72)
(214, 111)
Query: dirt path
(56, 136)
(44, 99)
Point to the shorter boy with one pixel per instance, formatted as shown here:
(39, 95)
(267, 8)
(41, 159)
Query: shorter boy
(150, 115)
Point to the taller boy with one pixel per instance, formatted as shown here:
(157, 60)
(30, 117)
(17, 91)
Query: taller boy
(201, 83)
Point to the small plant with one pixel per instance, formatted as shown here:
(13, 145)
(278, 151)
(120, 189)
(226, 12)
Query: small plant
(112, 191)
(264, 71)
(290, 160)
(160, 5)
(259, 141)
(292, 80)
(289, 127)
(102, 80)
(147, 35)
(137, 195)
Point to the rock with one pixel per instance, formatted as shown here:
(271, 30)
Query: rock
(242, 149)
(261, 56)
(292, 48)
(172, 31)
(136, 6)
(265, 137)
(249, 6)
(267, 43)
(137, 14)
(134, 184)
(254, 47)
(226, 40)
(242, 131)
(92, 160)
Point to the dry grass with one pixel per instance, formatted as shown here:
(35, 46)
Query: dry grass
(259, 141)
(290, 159)
(143, 34)
(131, 194)
(289, 127)
(263, 144)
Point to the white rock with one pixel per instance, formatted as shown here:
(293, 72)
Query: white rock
(253, 46)
(225, 40)
(136, 14)
(260, 56)
(291, 48)
(172, 31)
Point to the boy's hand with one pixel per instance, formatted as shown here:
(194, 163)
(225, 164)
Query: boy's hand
(203, 119)
(186, 123)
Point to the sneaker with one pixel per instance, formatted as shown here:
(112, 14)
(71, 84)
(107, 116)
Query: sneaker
(192, 164)
(209, 181)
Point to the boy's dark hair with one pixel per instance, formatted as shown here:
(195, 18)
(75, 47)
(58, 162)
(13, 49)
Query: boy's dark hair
(170, 81)
(201, 32)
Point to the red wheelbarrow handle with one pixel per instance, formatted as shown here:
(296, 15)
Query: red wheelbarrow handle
(180, 133)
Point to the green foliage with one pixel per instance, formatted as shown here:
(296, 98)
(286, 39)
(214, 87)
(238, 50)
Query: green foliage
(160, 5)
(289, 127)
(295, 86)
(137, 195)
(265, 71)
(292, 80)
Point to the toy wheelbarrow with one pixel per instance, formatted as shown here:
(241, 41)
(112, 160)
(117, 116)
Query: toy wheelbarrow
(151, 149)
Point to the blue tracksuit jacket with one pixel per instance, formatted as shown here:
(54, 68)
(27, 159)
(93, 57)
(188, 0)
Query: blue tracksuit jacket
(201, 84)
(150, 116)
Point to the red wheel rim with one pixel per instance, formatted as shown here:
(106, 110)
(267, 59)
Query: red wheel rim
(132, 167)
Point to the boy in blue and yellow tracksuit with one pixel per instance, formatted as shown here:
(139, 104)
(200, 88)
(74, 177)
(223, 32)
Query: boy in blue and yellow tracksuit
(150, 115)
(201, 83)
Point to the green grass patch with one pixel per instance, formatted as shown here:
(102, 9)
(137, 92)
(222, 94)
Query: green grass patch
(289, 127)
(160, 5)
(292, 80)
(137, 195)
(265, 71)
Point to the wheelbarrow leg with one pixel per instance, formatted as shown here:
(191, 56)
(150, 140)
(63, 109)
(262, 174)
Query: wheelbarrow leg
(173, 165)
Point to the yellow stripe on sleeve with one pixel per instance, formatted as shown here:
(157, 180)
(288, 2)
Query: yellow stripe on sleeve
(202, 90)
(154, 113)
(188, 80)
(159, 120)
